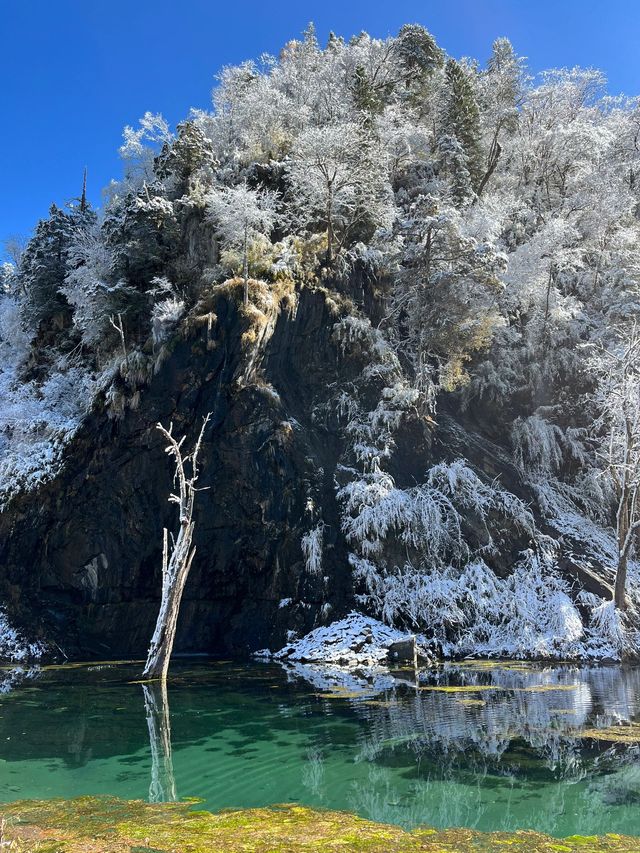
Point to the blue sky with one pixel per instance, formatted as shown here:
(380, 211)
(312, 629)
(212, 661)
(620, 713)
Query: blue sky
(74, 72)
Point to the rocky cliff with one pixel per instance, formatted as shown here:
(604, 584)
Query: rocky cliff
(80, 556)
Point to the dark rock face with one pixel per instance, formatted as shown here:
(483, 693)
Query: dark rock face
(82, 555)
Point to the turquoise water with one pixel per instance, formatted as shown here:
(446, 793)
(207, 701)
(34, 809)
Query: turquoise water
(505, 755)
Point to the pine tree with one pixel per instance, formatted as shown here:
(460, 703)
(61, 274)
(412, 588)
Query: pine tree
(419, 56)
(181, 158)
(45, 264)
(461, 117)
(366, 98)
(455, 163)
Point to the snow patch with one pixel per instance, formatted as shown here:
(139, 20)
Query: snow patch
(355, 641)
(14, 647)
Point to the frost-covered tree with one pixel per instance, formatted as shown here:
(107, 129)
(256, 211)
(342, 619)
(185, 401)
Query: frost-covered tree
(242, 215)
(142, 144)
(501, 93)
(90, 290)
(443, 307)
(618, 399)
(460, 116)
(339, 179)
(454, 163)
(418, 57)
(8, 278)
(45, 263)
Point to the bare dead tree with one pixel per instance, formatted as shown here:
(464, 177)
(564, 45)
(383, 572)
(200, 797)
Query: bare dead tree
(177, 557)
(119, 327)
(83, 197)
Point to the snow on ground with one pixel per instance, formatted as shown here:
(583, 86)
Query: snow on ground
(355, 641)
(14, 647)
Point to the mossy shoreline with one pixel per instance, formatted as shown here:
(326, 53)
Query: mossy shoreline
(110, 825)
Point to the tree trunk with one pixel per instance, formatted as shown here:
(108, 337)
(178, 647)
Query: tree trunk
(619, 595)
(624, 539)
(173, 583)
(245, 269)
(156, 704)
(547, 311)
(176, 565)
(494, 156)
(330, 226)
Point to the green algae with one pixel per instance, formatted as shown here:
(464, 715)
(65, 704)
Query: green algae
(467, 688)
(629, 733)
(110, 825)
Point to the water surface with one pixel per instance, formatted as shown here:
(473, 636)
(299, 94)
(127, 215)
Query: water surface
(505, 752)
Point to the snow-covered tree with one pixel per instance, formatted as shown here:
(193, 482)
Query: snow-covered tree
(45, 263)
(339, 178)
(242, 215)
(443, 308)
(460, 116)
(142, 144)
(618, 400)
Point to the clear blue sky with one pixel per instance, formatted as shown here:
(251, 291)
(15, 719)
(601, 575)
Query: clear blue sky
(74, 72)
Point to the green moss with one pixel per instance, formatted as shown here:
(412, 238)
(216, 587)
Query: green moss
(109, 825)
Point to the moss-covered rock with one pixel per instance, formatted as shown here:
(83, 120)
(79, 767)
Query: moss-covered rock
(109, 825)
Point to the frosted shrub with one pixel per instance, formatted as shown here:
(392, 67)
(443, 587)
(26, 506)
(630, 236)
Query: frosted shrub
(543, 446)
(311, 544)
(612, 634)
(528, 614)
(425, 517)
(353, 330)
(164, 317)
(13, 646)
(374, 509)
(472, 611)
(36, 419)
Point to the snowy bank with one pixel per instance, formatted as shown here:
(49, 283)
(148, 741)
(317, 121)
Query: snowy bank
(14, 647)
(353, 642)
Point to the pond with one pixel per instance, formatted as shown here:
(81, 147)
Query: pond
(489, 746)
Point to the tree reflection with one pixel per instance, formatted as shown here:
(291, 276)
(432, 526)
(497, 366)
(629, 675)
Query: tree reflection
(156, 704)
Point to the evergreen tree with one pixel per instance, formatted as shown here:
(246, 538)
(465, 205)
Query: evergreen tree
(446, 291)
(455, 163)
(461, 117)
(367, 99)
(419, 56)
(45, 264)
(181, 158)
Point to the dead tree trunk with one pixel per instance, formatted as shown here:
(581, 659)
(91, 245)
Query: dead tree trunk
(177, 558)
(156, 705)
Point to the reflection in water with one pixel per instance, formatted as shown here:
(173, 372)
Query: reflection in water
(447, 754)
(156, 705)
(492, 747)
(313, 771)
